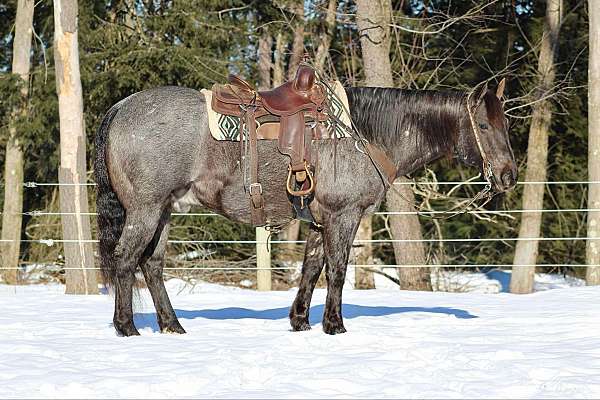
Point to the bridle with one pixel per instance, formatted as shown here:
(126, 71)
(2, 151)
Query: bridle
(486, 165)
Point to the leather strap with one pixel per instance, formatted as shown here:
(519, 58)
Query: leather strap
(383, 163)
(239, 82)
(257, 204)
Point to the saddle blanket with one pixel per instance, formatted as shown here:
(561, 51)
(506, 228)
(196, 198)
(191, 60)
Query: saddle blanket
(227, 127)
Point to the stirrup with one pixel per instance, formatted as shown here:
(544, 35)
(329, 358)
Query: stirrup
(300, 192)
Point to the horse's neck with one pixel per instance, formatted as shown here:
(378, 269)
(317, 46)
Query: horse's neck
(414, 152)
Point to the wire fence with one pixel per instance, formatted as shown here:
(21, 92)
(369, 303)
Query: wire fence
(500, 213)
(391, 266)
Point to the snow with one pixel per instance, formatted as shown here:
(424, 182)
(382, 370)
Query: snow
(399, 344)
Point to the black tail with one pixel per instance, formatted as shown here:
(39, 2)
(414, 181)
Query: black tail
(111, 214)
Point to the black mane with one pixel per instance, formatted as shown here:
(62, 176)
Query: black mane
(383, 115)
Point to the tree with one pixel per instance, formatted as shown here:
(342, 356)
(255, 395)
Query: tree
(80, 275)
(537, 154)
(298, 42)
(593, 220)
(373, 20)
(265, 42)
(325, 42)
(406, 226)
(13, 169)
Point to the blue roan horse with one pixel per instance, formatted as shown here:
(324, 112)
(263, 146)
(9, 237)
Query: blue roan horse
(154, 152)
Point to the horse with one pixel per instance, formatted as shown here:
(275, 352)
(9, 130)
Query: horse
(155, 154)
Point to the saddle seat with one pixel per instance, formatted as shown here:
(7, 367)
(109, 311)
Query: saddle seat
(301, 94)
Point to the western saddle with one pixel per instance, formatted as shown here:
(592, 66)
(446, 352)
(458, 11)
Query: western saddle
(293, 114)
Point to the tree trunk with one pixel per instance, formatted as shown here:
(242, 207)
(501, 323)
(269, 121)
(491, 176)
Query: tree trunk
(373, 19)
(264, 60)
(298, 43)
(323, 49)
(593, 246)
(80, 276)
(363, 255)
(375, 48)
(408, 254)
(278, 68)
(292, 231)
(12, 215)
(291, 251)
(537, 152)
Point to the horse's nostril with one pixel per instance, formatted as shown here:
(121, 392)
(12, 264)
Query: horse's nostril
(507, 179)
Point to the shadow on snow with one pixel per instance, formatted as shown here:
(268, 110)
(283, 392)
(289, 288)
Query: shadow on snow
(145, 320)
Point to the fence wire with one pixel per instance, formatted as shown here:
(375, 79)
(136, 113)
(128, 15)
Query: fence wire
(52, 241)
(391, 266)
(36, 184)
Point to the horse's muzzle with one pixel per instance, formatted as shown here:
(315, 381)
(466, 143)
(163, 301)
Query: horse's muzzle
(508, 180)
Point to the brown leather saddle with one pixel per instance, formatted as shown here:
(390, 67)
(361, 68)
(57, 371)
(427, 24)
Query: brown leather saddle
(293, 114)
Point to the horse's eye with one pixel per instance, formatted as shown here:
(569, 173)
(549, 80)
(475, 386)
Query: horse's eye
(483, 126)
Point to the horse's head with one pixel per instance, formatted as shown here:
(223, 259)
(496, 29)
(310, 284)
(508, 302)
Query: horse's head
(484, 141)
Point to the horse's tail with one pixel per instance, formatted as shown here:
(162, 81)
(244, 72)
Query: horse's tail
(111, 214)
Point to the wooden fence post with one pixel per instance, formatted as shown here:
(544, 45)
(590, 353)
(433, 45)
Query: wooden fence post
(263, 260)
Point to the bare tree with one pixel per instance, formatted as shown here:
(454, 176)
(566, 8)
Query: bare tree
(410, 256)
(13, 169)
(537, 153)
(373, 19)
(292, 231)
(265, 42)
(80, 276)
(593, 220)
(278, 59)
(325, 40)
(298, 42)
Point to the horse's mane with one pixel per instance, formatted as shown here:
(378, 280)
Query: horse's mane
(384, 115)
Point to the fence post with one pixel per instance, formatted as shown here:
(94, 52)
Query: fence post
(263, 260)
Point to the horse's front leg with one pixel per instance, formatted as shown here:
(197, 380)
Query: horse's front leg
(311, 270)
(338, 236)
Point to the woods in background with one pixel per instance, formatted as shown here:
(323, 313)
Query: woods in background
(130, 45)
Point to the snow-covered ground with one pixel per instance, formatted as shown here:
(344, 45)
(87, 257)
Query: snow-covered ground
(399, 344)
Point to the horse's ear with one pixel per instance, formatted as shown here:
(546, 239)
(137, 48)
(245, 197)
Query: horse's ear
(500, 89)
(479, 93)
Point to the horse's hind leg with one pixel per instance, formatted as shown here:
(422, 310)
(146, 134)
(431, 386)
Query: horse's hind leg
(338, 235)
(153, 273)
(138, 231)
(311, 269)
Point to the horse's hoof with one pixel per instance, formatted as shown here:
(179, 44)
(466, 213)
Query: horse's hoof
(174, 327)
(332, 328)
(300, 324)
(127, 330)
